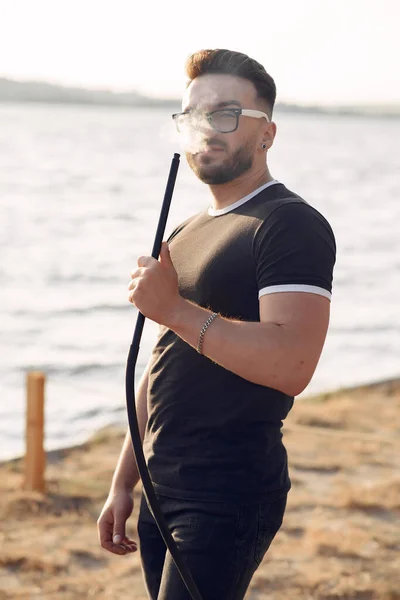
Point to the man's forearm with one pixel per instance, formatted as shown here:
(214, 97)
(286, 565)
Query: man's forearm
(263, 353)
(126, 474)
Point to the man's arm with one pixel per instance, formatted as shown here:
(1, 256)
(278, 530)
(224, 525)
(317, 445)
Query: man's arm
(281, 351)
(118, 507)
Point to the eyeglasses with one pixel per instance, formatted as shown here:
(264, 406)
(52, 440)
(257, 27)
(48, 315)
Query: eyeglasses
(223, 120)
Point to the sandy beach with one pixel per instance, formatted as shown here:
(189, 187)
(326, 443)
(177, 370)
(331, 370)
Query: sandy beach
(340, 538)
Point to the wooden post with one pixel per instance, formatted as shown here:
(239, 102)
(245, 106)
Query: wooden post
(35, 457)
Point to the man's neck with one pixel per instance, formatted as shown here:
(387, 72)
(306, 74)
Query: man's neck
(228, 193)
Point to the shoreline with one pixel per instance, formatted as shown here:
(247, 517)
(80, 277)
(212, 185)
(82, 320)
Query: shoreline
(133, 102)
(384, 384)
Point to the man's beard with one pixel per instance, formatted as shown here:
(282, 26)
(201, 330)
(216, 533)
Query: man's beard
(228, 170)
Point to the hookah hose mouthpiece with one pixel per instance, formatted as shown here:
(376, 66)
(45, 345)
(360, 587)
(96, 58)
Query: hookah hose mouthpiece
(131, 405)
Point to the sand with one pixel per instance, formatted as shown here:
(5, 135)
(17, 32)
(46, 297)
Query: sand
(340, 538)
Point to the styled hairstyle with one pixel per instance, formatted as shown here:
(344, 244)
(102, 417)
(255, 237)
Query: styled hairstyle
(230, 62)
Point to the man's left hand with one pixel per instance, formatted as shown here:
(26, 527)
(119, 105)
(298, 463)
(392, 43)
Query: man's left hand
(154, 288)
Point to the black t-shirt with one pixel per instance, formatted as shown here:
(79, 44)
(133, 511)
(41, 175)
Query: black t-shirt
(211, 434)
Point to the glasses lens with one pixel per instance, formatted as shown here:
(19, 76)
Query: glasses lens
(224, 121)
(178, 121)
(184, 121)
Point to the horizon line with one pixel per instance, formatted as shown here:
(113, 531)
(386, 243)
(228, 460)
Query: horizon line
(171, 98)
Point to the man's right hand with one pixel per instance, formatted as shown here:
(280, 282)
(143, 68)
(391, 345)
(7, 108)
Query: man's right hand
(111, 523)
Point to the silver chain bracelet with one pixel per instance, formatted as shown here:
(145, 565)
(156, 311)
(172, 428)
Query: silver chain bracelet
(203, 330)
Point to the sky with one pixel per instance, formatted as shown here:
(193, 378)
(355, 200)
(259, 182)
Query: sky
(326, 52)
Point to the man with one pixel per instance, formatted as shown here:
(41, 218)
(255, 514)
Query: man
(242, 295)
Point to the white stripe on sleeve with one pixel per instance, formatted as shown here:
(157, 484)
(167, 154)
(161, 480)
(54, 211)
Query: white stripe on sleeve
(294, 287)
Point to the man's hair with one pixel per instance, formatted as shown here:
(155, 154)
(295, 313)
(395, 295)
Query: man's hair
(230, 62)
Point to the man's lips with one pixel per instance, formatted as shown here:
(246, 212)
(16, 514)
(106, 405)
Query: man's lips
(212, 148)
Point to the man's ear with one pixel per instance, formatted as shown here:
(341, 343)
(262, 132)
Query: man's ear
(269, 134)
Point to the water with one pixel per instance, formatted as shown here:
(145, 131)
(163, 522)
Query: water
(80, 192)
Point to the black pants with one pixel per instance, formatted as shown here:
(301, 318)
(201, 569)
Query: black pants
(221, 543)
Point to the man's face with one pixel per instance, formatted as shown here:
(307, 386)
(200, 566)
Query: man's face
(218, 158)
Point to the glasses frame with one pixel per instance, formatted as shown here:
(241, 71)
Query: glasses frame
(246, 112)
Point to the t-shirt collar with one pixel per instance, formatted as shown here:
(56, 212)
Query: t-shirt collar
(213, 212)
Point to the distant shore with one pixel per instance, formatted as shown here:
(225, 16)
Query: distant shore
(387, 383)
(340, 537)
(30, 92)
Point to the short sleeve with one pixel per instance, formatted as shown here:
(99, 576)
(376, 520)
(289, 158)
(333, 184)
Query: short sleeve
(294, 251)
(172, 235)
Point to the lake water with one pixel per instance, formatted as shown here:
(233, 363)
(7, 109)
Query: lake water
(80, 193)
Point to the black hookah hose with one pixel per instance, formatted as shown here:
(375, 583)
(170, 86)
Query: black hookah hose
(131, 405)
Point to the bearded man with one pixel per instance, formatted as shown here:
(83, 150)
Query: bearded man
(242, 294)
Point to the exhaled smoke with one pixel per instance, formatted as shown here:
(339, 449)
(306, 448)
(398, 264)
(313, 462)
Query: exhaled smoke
(190, 139)
(195, 129)
(195, 132)
(194, 139)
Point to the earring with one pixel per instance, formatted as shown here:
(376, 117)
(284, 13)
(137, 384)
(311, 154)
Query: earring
(263, 146)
